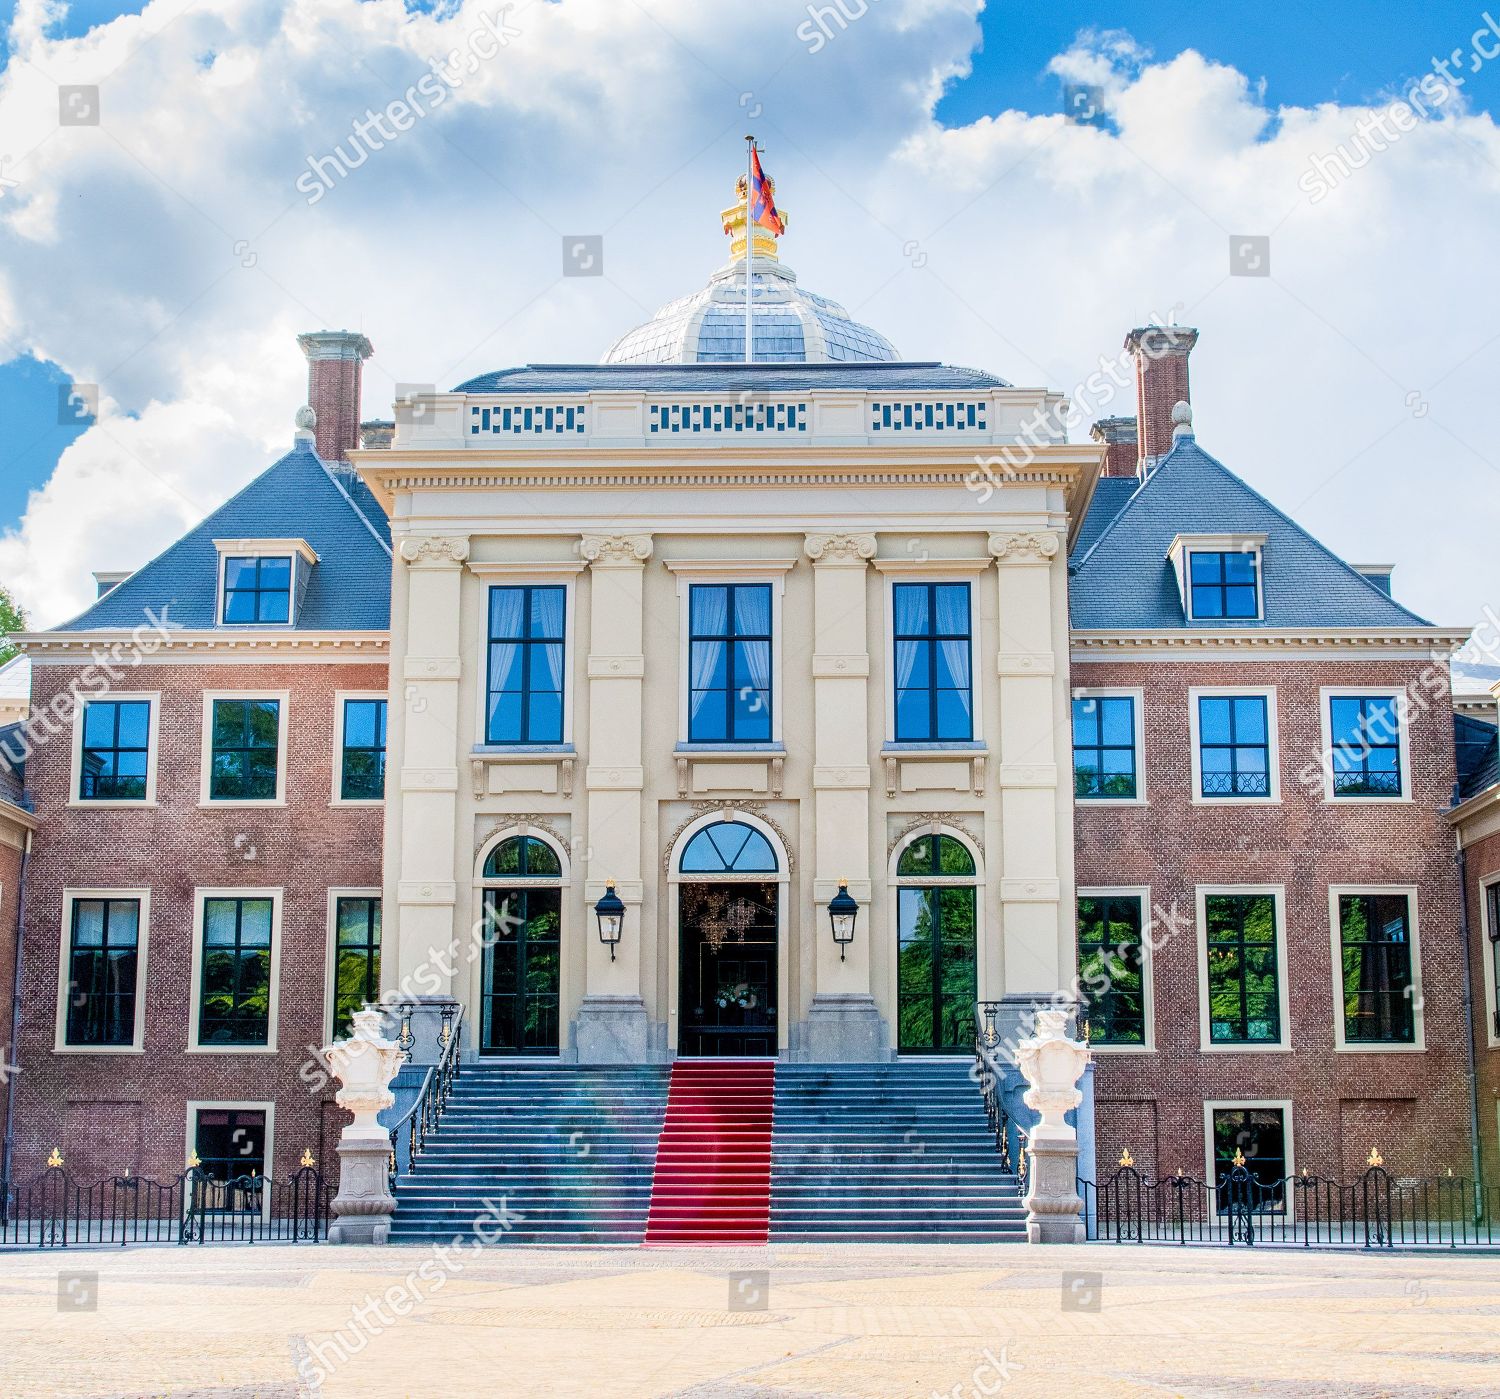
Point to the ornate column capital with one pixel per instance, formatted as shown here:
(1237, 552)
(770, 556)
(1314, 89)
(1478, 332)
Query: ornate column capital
(435, 550)
(616, 550)
(840, 548)
(1025, 546)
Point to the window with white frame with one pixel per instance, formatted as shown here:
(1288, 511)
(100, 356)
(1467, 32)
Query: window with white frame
(262, 581)
(235, 995)
(1255, 1138)
(103, 986)
(1219, 576)
(1107, 746)
(362, 744)
(1492, 931)
(933, 636)
(1376, 966)
(1366, 744)
(525, 667)
(1112, 966)
(115, 761)
(246, 748)
(1234, 745)
(729, 662)
(1242, 964)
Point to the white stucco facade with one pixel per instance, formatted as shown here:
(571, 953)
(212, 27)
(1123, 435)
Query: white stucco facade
(831, 515)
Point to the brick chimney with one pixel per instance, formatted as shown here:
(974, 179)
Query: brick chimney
(1161, 382)
(1121, 452)
(335, 361)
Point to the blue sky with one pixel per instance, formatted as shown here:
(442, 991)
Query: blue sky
(1305, 52)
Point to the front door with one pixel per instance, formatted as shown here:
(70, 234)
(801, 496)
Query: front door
(728, 969)
(521, 971)
(937, 980)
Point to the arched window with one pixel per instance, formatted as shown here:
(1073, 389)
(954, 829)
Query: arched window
(728, 847)
(523, 857)
(937, 982)
(522, 901)
(936, 855)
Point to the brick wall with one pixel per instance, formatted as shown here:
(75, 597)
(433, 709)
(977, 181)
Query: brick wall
(109, 1111)
(10, 882)
(1483, 861)
(1415, 1102)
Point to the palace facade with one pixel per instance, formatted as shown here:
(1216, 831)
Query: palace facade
(727, 642)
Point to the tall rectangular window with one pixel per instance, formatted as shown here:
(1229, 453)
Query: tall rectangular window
(1244, 991)
(103, 966)
(243, 763)
(1256, 1136)
(356, 960)
(729, 663)
(1375, 965)
(1234, 746)
(1111, 970)
(116, 750)
(1104, 756)
(526, 664)
(362, 775)
(1365, 745)
(1223, 586)
(258, 589)
(234, 1006)
(230, 1144)
(934, 679)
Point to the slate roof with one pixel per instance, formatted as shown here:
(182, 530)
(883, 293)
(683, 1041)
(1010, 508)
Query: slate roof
(1123, 580)
(299, 497)
(1478, 755)
(13, 748)
(1110, 495)
(895, 377)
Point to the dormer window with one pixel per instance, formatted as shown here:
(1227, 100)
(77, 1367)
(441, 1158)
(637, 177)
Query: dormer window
(1219, 576)
(261, 581)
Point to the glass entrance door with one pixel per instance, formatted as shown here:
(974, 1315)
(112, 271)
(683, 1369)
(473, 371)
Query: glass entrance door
(521, 971)
(727, 976)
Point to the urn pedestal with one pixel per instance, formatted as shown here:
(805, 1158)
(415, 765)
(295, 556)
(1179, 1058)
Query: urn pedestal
(365, 1065)
(1052, 1065)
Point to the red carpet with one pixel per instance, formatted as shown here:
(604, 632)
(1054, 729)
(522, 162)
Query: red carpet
(713, 1163)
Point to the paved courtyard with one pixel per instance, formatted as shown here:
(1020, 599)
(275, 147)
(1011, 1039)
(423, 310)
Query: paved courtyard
(276, 1322)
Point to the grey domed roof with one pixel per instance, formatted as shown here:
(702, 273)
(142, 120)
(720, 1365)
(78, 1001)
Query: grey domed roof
(790, 325)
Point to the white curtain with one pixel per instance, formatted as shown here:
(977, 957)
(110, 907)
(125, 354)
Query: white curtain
(710, 615)
(953, 617)
(753, 617)
(548, 605)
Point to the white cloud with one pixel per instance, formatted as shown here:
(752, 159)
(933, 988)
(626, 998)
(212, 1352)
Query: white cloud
(168, 256)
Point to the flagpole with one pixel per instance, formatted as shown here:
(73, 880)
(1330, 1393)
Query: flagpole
(749, 244)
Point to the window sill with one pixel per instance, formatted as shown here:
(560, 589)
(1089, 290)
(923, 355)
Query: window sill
(523, 750)
(98, 1049)
(897, 748)
(235, 803)
(358, 801)
(1406, 799)
(1236, 801)
(1086, 803)
(82, 804)
(1122, 1048)
(730, 750)
(1245, 1048)
(230, 1049)
(1380, 1048)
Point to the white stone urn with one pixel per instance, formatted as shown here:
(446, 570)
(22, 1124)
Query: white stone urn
(1052, 1065)
(366, 1065)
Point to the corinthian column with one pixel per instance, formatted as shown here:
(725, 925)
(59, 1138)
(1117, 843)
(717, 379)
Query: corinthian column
(612, 1023)
(842, 1021)
(421, 821)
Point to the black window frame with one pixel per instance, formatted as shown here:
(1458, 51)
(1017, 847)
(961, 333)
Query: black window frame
(1222, 586)
(257, 590)
(1236, 948)
(1395, 1010)
(933, 639)
(1098, 748)
(234, 1181)
(245, 749)
(529, 645)
(1362, 781)
(1492, 909)
(1268, 1171)
(728, 639)
(239, 952)
(1107, 1008)
(114, 748)
(366, 951)
(376, 783)
(1234, 747)
(95, 1008)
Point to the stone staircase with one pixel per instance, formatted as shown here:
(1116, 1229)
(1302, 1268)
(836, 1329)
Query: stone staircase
(570, 1151)
(897, 1152)
(882, 1153)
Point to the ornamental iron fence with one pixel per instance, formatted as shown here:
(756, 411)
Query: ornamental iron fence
(1377, 1211)
(52, 1210)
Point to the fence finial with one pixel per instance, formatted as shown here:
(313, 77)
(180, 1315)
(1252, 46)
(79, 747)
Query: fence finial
(1374, 1158)
(1126, 1159)
(1239, 1158)
(54, 1162)
(308, 1159)
(193, 1162)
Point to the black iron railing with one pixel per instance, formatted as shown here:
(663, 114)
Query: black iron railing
(420, 1120)
(989, 1073)
(1377, 1210)
(52, 1210)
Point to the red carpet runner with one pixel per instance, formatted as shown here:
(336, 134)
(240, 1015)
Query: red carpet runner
(713, 1163)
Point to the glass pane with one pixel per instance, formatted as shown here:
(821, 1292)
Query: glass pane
(275, 574)
(911, 609)
(710, 610)
(239, 573)
(709, 659)
(752, 610)
(1213, 720)
(1086, 722)
(124, 922)
(505, 717)
(545, 717)
(219, 922)
(1118, 717)
(1239, 568)
(917, 858)
(1208, 602)
(1250, 720)
(255, 923)
(708, 716)
(953, 856)
(913, 715)
(229, 723)
(507, 613)
(88, 923)
(360, 723)
(265, 717)
(952, 618)
(505, 858)
(274, 607)
(1205, 567)
(99, 724)
(953, 718)
(239, 607)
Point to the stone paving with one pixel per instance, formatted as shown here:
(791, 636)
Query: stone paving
(261, 1322)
